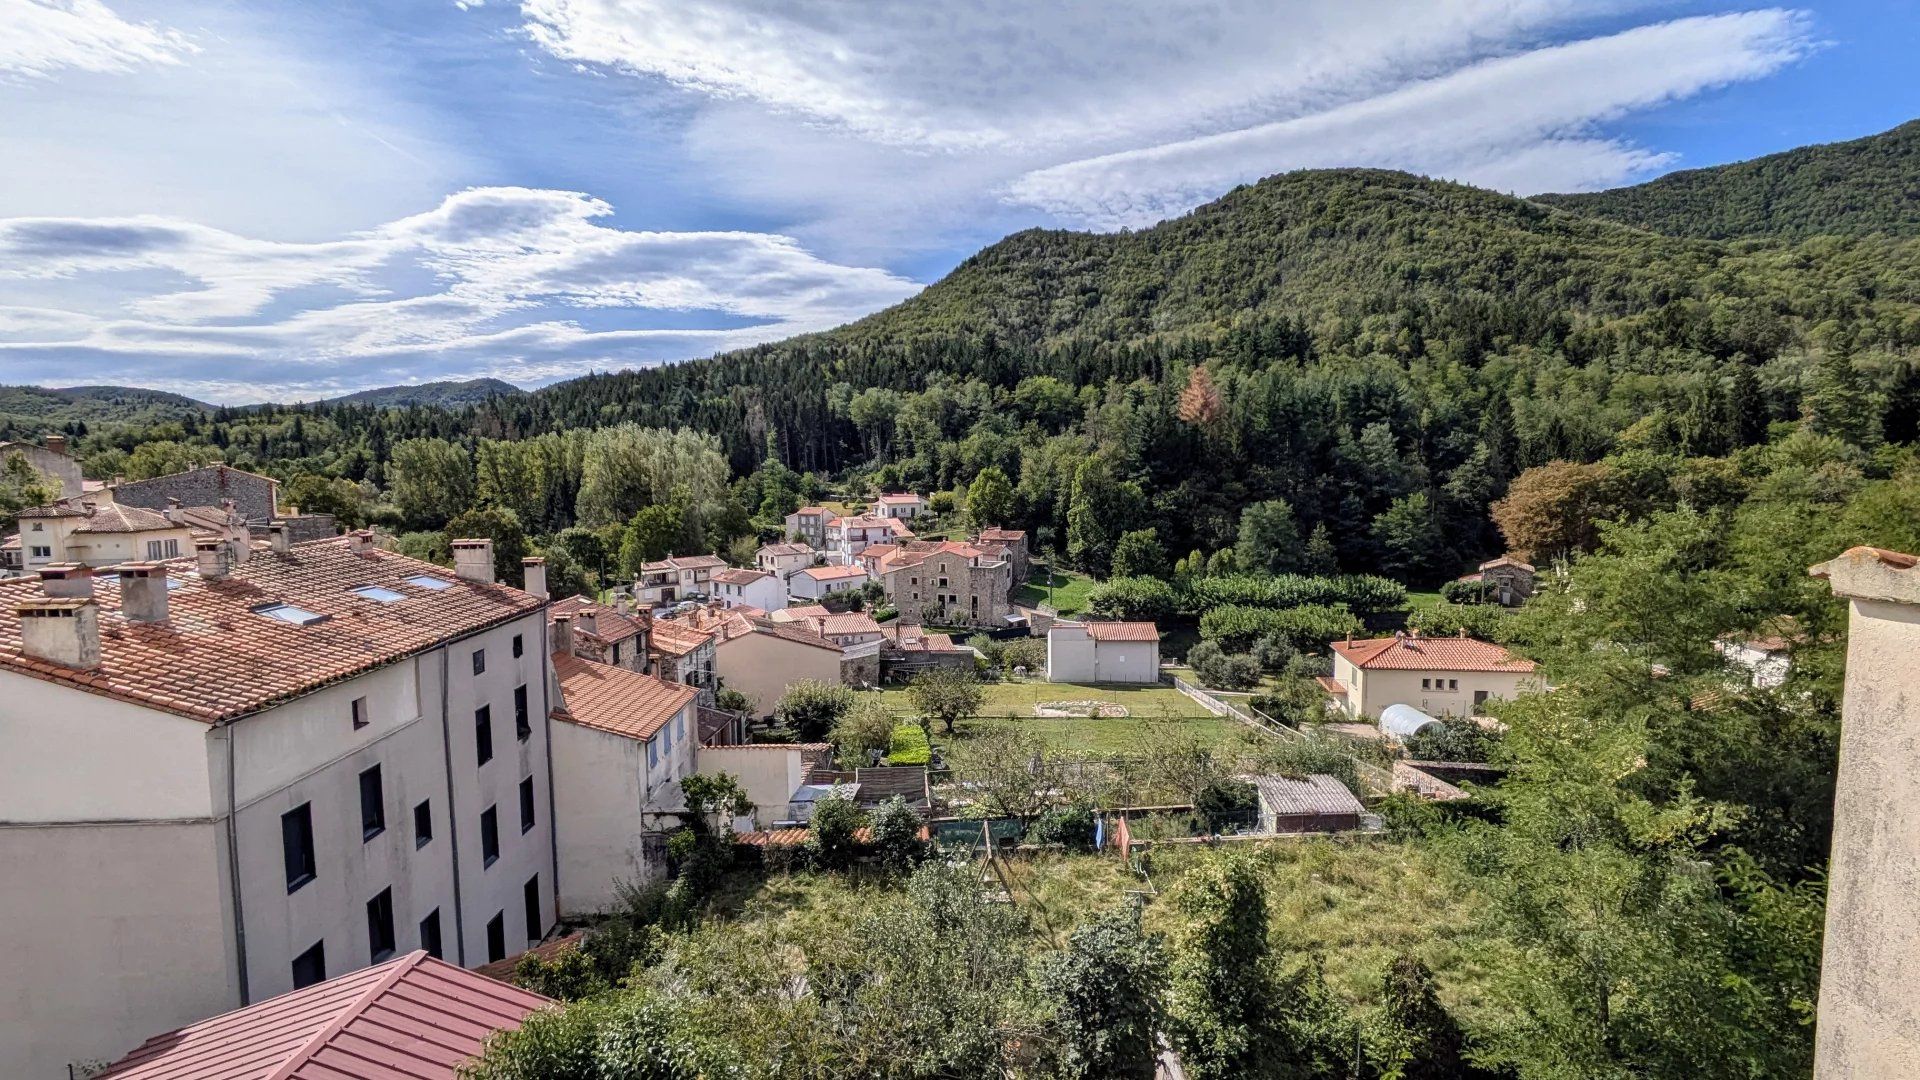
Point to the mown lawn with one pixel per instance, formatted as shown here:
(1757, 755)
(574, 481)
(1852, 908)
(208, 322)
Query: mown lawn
(1018, 698)
(1069, 590)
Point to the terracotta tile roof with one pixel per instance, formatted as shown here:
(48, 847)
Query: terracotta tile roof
(615, 700)
(1001, 535)
(414, 1018)
(812, 511)
(608, 624)
(1507, 560)
(800, 611)
(741, 577)
(834, 573)
(785, 549)
(503, 969)
(792, 631)
(114, 518)
(685, 562)
(674, 637)
(208, 518)
(1123, 631)
(900, 499)
(1331, 685)
(216, 657)
(1430, 654)
(912, 638)
(63, 509)
(848, 622)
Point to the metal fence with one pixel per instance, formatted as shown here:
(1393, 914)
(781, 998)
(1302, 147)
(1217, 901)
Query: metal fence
(1377, 780)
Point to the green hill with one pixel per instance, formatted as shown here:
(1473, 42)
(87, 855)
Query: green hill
(30, 409)
(444, 395)
(1869, 185)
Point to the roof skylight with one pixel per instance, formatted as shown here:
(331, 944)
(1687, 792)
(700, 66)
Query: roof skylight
(428, 581)
(377, 592)
(289, 613)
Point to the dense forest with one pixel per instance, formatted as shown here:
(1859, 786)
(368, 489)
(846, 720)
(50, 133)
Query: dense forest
(1226, 419)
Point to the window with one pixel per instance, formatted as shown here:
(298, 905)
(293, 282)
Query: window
(296, 843)
(536, 929)
(37, 527)
(423, 823)
(39, 552)
(429, 582)
(680, 726)
(479, 661)
(376, 592)
(483, 733)
(490, 835)
(430, 933)
(522, 725)
(1453, 684)
(526, 804)
(519, 646)
(653, 754)
(311, 966)
(290, 614)
(1426, 684)
(497, 937)
(163, 549)
(380, 926)
(359, 709)
(373, 808)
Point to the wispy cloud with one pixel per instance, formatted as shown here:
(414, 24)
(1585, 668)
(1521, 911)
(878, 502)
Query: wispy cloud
(40, 37)
(483, 283)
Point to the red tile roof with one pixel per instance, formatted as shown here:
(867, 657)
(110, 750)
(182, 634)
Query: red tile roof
(1331, 685)
(1123, 631)
(898, 499)
(414, 1018)
(216, 657)
(834, 573)
(741, 577)
(615, 700)
(114, 518)
(793, 631)
(847, 623)
(801, 611)
(1431, 654)
(503, 969)
(608, 624)
(674, 637)
(785, 549)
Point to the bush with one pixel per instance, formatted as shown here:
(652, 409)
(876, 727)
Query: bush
(1306, 629)
(1136, 599)
(1362, 594)
(908, 746)
(1454, 738)
(1273, 652)
(1226, 802)
(810, 708)
(1029, 653)
(866, 727)
(1068, 826)
(1469, 592)
(896, 835)
(1215, 668)
(830, 842)
(1485, 621)
(1294, 701)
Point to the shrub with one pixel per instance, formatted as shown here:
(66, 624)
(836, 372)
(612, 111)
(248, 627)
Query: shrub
(1485, 621)
(1454, 738)
(1029, 653)
(1069, 826)
(896, 835)
(1273, 652)
(1468, 592)
(830, 842)
(1226, 802)
(1294, 701)
(908, 746)
(1307, 629)
(1362, 594)
(1215, 668)
(810, 708)
(866, 727)
(1133, 598)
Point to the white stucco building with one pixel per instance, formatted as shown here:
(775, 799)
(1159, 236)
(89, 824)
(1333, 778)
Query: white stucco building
(819, 582)
(1440, 676)
(1103, 652)
(676, 578)
(750, 588)
(904, 505)
(254, 769)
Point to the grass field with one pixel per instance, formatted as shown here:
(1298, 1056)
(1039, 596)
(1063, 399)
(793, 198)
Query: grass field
(1084, 736)
(1018, 698)
(1420, 600)
(1069, 590)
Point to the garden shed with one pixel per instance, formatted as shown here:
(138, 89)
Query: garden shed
(1295, 804)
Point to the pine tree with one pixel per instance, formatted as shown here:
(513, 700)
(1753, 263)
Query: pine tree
(1498, 435)
(1200, 402)
(1837, 403)
(1900, 422)
(1320, 558)
(1746, 409)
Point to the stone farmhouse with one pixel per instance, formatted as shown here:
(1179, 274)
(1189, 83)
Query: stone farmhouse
(949, 583)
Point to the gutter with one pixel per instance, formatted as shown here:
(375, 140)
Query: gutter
(453, 817)
(233, 868)
(546, 732)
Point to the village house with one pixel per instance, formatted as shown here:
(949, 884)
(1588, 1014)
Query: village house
(949, 584)
(910, 650)
(1507, 580)
(676, 578)
(758, 589)
(297, 759)
(50, 459)
(1008, 544)
(781, 560)
(904, 506)
(1103, 652)
(809, 525)
(422, 1018)
(255, 498)
(622, 742)
(770, 774)
(846, 537)
(819, 582)
(683, 652)
(91, 534)
(760, 657)
(1440, 676)
(1764, 657)
(615, 635)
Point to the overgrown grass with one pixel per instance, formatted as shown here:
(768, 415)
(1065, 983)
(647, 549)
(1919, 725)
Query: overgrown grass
(1019, 698)
(1089, 737)
(1069, 590)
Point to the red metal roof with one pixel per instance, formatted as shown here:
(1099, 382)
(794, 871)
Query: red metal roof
(414, 1018)
(1431, 654)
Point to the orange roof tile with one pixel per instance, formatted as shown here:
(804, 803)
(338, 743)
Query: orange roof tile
(834, 573)
(608, 624)
(503, 969)
(1431, 654)
(414, 1018)
(741, 577)
(217, 658)
(1123, 631)
(675, 637)
(615, 700)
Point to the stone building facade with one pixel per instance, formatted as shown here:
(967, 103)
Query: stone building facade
(949, 584)
(255, 497)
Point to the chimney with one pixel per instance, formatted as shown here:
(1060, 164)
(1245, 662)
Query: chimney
(277, 539)
(585, 619)
(360, 541)
(563, 635)
(67, 581)
(623, 603)
(473, 560)
(57, 444)
(173, 509)
(535, 569)
(143, 592)
(210, 555)
(61, 630)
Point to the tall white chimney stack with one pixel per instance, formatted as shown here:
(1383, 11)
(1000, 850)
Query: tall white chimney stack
(535, 570)
(473, 560)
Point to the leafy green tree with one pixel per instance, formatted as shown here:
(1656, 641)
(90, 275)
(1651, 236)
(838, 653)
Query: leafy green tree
(1104, 993)
(650, 537)
(501, 526)
(1747, 411)
(1132, 599)
(1046, 401)
(946, 695)
(866, 726)
(990, 498)
(20, 487)
(810, 708)
(1139, 554)
(1101, 510)
(165, 457)
(587, 551)
(431, 481)
(326, 495)
(1269, 540)
(707, 796)
(896, 835)
(1220, 670)
(830, 831)
(1320, 557)
(1551, 510)
(1413, 1037)
(1410, 539)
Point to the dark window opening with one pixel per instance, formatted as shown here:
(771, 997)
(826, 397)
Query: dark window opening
(430, 933)
(522, 723)
(296, 842)
(483, 733)
(423, 823)
(526, 804)
(519, 646)
(479, 661)
(373, 806)
(380, 943)
(497, 937)
(535, 927)
(311, 966)
(490, 835)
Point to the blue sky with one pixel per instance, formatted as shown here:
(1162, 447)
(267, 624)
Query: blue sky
(244, 201)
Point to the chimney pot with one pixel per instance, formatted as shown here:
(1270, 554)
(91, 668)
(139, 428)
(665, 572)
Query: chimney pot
(57, 444)
(534, 568)
(360, 541)
(473, 560)
(66, 581)
(210, 557)
(277, 539)
(143, 592)
(63, 631)
(563, 635)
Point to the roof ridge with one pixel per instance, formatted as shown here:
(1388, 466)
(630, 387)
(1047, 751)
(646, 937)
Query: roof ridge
(303, 1053)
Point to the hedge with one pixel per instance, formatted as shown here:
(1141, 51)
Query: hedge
(1307, 629)
(909, 746)
(1363, 594)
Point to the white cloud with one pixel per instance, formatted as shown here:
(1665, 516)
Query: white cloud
(477, 285)
(1517, 123)
(41, 37)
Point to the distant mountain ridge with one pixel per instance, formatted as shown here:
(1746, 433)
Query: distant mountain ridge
(446, 394)
(32, 408)
(1869, 185)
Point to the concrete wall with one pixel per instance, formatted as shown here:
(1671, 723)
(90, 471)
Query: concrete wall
(1070, 655)
(611, 795)
(770, 773)
(1869, 1017)
(762, 666)
(1126, 661)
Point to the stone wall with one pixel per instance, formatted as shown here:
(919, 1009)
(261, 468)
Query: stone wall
(253, 495)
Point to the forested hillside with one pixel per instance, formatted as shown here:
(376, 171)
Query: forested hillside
(445, 395)
(1869, 185)
(34, 408)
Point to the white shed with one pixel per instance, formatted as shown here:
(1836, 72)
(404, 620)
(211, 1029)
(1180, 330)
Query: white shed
(1103, 652)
